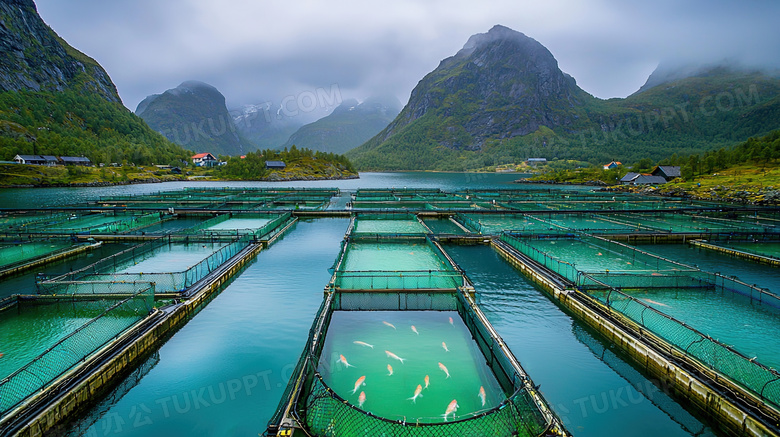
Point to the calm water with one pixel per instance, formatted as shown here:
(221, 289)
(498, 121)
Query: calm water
(763, 275)
(48, 323)
(224, 372)
(388, 395)
(172, 258)
(241, 223)
(45, 197)
(389, 227)
(592, 398)
(24, 283)
(391, 257)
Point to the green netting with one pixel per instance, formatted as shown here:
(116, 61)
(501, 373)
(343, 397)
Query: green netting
(751, 375)
(382, 301)
(275, 221)
(97, 224)
(469, 223)
(106, 269)
(561, 267)
(74, 348)
(101, 288)
(16, 254)
(401, 280)
(327, 414)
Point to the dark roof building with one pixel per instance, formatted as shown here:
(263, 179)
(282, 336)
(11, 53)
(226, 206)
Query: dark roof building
(30, 159)
(668, 172)
(645, 179)
(275, 164)
(629, 178)
(75, 160)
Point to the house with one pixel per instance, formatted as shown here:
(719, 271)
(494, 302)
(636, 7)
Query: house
(75, 160)
(533, 162)
(30, 159)
(50, 160)
(276, 165)
(613, 164)
(629, 178)
(648, 179)
(667, 172)
(204, 160)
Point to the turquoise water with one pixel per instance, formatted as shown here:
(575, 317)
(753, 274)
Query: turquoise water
(175, 225)
(19, 253)
(763, 275)
(388, 395)
(771, 250)
(380, 226)
(727, 317)
(49, 323)
(571, 366)
(223, 373)
(24, 283)
(593, 258)
(365, 256)
(496, 224)
(443, 226)
(172, 258)
(240, 223)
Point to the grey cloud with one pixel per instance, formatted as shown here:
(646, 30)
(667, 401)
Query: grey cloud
(262, 51)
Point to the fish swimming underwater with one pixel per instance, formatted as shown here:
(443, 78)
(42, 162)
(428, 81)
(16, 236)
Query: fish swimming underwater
(444, 369)
(363, 343)
(395, 357)
(343, 361)
(482, 395)
(417, 394)
(427, 381)
(451, 409)
(415, 330)
(358, 383)
(388, 324)
(361, 399)
(390, 369)
(444, 345)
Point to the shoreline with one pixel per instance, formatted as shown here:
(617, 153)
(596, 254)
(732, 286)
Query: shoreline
(160, 181)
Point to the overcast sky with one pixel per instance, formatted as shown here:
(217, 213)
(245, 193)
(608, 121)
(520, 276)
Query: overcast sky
(258, 51)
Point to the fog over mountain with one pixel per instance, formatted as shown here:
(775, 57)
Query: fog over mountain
(256, 52)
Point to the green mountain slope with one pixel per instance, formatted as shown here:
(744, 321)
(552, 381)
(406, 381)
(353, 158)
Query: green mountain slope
(194, 115)
(348, 126)
(56, 100)
(503, 99)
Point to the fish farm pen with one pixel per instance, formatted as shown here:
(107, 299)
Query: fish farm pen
(401, 343)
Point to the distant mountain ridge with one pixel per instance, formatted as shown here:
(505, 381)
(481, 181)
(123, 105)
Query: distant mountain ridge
(264, 126)
(348, 126)
(502, 99)
(34, 58)
(71, 106)
(194, 115)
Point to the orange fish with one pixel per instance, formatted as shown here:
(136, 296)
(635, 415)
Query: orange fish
(444, 345)
(451, 321)
(427, 381)
(417, 394)
(390, 369)
(361, 399)
(482, 395)
(358, 383)
(343, 361)
(388, 324)
(444, 369)
(415, 330)
(451, 409)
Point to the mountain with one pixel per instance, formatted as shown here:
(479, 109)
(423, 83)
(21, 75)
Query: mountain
(502, 99)
(264, 126)
(348, 126)
(56, 100)
(194, 115)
